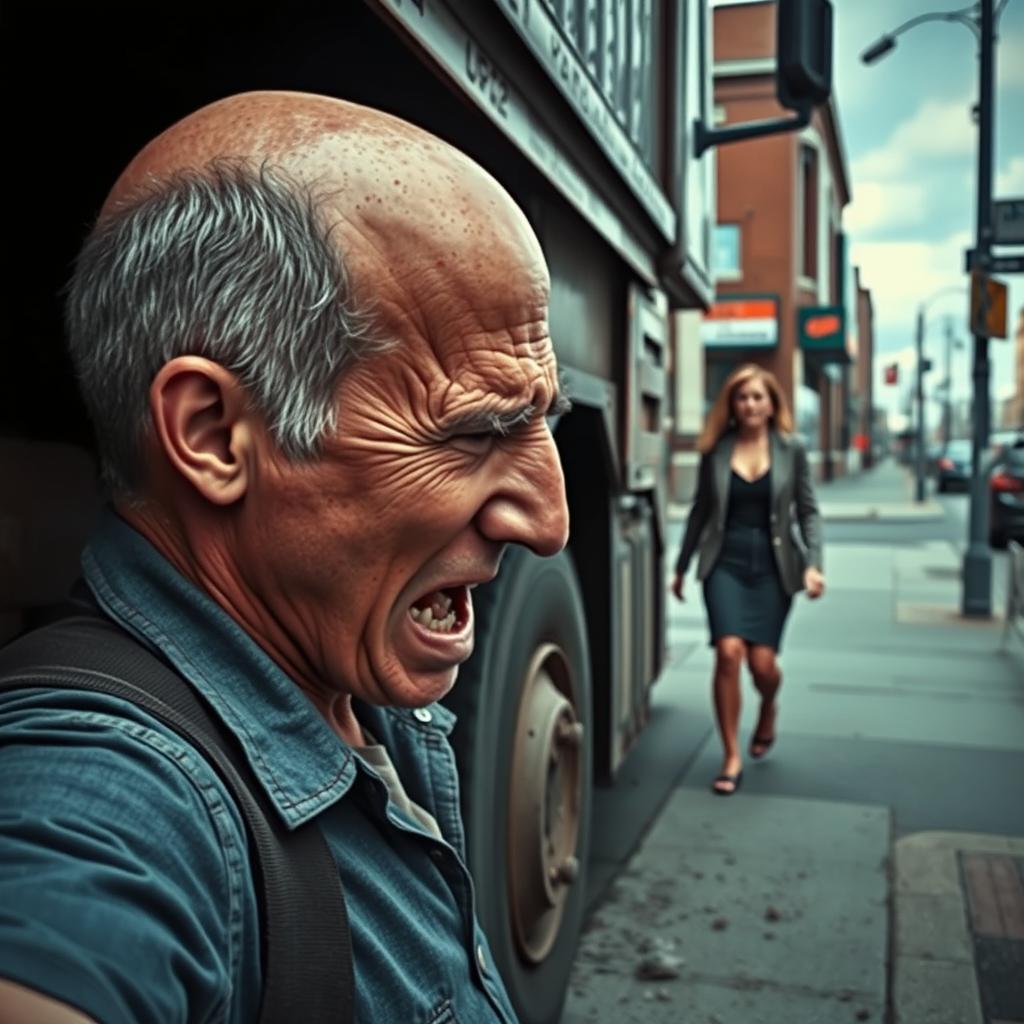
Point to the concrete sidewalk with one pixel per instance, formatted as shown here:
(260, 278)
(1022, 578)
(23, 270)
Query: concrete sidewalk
(870, 868)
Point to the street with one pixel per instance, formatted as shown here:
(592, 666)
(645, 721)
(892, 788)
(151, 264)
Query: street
(900, 734)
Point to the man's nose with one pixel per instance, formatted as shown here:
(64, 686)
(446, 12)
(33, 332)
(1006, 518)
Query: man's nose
(528, 505)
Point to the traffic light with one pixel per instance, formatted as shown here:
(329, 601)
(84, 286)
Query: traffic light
(892, 373)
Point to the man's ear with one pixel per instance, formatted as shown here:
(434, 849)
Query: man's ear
(204, 425)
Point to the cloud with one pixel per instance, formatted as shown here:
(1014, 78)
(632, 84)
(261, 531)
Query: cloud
(885, 205)
(1010, 179)
(901, 274)
(1009, 67)
(915, 184)
(937, 130)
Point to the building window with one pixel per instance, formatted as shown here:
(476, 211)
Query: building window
(809, 209)
(727, 255)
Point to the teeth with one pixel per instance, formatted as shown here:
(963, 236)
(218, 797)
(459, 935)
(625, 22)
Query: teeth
(443, 625)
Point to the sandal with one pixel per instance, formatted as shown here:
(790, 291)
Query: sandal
(729, 780)
(763, 742)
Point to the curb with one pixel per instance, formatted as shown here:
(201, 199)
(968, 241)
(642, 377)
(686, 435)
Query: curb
(935, 975)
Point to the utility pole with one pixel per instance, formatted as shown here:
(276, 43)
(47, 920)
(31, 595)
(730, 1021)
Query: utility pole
(919, 467)
(980, 19)
(977, 568)
(947, 404)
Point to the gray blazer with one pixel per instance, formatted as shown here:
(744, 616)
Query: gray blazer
(795, 522)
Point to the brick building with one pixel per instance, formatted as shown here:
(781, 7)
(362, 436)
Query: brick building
(787, 297)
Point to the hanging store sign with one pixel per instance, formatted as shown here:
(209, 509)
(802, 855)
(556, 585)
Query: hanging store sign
(822, 329)
(750, 321)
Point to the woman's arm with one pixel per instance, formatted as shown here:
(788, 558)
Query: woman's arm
(807, 510)
(698, 516)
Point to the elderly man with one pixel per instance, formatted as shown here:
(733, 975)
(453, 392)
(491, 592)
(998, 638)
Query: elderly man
(313, 339)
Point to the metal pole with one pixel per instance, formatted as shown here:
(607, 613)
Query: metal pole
(947, 406)
(977, 570)
(919, 398)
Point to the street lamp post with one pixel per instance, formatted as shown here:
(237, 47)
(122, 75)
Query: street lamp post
(919, 466)
(947, 404)
(923, 365)
(977, 570)
(980, 19)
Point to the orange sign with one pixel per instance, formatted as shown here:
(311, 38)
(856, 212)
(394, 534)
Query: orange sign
(822, 326)
(742, 309)
(988, 306)
(741, 322)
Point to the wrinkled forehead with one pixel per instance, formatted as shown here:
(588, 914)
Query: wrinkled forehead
(447, 261)
(431, 242)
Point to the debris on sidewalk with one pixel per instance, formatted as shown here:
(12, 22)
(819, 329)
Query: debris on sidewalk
(661, 962)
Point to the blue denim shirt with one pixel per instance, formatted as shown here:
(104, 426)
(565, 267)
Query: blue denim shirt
(125, 883)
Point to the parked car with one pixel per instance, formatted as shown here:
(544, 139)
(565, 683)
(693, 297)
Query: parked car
(1000, 440)
(1006, 487)
(953, 467)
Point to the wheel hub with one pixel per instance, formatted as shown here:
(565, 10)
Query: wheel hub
(544, 803)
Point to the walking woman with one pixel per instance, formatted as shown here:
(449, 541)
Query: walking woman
(753, 476)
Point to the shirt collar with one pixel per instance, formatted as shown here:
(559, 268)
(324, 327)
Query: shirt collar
(302, 764)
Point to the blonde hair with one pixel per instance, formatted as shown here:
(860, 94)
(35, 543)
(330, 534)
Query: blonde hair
(720, 417)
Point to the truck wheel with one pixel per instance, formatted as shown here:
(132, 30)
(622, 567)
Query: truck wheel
(523, 743)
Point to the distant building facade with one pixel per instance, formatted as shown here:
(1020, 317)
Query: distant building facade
(787, 297)
(1013, 408)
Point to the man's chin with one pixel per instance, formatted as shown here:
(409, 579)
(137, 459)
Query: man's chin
(419, 688)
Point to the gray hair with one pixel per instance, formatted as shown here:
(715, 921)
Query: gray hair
(231, 263)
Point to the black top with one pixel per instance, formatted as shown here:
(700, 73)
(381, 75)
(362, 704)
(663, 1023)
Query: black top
(749, 501)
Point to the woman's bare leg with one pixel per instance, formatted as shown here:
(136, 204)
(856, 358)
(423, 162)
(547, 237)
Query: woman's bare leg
(764, 668)
(730, 652)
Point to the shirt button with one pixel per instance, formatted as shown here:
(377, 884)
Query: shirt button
(436, 854)
(422, 715)
(777, 540)
(481, 957)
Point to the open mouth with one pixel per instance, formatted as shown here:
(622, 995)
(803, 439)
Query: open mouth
(444, 611)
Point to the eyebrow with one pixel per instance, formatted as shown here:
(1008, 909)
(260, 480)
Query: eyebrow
(505, 422)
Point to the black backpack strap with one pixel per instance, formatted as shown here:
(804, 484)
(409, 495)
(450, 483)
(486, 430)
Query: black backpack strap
(306, 943)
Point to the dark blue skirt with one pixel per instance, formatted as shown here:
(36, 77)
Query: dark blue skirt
(743, 593)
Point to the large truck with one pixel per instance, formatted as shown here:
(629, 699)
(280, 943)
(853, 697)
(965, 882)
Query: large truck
(594, 115)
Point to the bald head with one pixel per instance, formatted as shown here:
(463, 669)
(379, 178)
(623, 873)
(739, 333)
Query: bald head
(395, 193)
(282, 235)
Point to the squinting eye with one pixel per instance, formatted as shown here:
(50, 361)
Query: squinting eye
(474, 444)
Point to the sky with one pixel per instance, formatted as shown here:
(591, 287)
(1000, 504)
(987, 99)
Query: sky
(911, 147)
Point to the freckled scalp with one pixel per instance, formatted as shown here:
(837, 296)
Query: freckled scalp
(383, 172)
(432, 244)
(414, 217)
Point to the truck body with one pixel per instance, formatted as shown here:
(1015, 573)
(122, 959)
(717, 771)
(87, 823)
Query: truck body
(582, 109)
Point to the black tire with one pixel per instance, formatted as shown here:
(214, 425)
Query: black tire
(534, 609)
